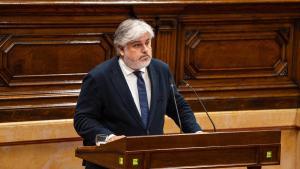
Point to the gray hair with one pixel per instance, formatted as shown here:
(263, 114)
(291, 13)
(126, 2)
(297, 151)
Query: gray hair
(130, 30)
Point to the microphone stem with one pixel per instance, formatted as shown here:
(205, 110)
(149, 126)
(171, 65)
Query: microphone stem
(214, 127)
(177, 112)
(199, 100)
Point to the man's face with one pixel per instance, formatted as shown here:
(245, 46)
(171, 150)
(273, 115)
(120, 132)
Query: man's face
(137, 54)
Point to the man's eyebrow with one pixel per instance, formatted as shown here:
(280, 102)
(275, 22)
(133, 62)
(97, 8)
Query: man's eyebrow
(137, 41)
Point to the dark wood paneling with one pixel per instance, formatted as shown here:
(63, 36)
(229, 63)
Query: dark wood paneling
(237, 55)
(31, 114)
(296, 58)
(29, 59)
(235, 64)
(165, 48)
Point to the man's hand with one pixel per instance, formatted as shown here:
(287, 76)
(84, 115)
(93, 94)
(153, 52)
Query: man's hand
(114, 137)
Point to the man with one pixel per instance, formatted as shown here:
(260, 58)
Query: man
(129, 94)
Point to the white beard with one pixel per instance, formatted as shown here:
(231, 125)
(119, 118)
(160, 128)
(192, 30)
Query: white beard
(136, 64)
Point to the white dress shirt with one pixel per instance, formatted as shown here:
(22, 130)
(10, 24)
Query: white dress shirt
(131, 80)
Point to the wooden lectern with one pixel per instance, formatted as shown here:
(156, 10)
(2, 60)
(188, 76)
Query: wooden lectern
(206, 150)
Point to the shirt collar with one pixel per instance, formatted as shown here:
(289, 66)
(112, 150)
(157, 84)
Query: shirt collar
(127, 70)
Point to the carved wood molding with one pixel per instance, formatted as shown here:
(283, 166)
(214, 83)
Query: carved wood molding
(25, 63)
(235, 54)
(59, 140)
(165, 42)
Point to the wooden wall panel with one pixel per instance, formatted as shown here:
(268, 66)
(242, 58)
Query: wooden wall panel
(29, 60)
(245, 53)
(165, 48)
(239, 63)
(236, 55)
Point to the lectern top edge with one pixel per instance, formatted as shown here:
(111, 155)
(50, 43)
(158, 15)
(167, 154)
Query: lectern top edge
(134, 143)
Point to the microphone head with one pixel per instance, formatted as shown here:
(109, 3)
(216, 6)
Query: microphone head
(171, 82)
(186, 83)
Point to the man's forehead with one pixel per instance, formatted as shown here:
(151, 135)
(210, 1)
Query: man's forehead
(139, 40)
(143, 37)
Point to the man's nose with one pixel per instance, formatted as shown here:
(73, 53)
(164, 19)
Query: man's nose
(145, 48)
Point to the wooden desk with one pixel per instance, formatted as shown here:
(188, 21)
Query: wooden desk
(208, 150)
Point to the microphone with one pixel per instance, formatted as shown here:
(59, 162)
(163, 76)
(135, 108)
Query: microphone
(174, 100)
(199, 100)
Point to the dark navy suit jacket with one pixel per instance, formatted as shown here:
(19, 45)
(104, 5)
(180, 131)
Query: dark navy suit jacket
(105, 104)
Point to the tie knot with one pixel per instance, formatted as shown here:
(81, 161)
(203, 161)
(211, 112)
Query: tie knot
(138, 73)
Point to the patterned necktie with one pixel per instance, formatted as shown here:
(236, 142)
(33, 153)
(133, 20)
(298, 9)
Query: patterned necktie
(142, 97)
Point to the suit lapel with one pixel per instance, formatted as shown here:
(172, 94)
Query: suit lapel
(121, 87)
(154, 78)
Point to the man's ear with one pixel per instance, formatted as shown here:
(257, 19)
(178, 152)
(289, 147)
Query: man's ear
(121, 50)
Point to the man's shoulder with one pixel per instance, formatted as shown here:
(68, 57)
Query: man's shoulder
(159, 63)
(104, 67)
